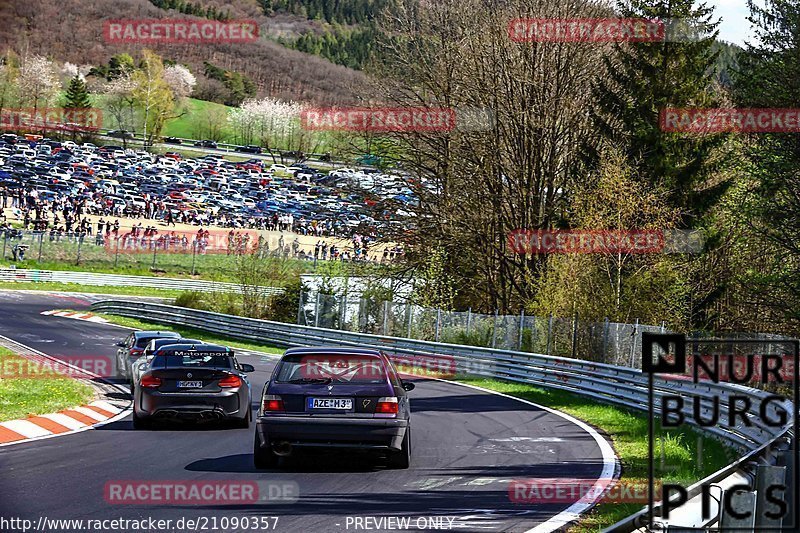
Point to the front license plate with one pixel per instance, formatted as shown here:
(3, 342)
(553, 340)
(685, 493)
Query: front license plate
(190, 384)
(330, 403)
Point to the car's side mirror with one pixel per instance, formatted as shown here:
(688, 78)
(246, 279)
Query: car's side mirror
(247, 368)
(408, 386)
(120, 344)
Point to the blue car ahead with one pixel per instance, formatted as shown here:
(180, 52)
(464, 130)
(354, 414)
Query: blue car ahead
(334, 398)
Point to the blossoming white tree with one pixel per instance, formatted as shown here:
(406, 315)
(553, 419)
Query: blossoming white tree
(180, 80)
(272, 123)
(38, 82)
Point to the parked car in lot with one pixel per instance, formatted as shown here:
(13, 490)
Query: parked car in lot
(340, 398)
(264, 192)
(199, 382)
(133, 347)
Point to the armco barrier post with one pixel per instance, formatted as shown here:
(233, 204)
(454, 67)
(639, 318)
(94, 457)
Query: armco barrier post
(785, 458)
(743, 519)
(768, 476)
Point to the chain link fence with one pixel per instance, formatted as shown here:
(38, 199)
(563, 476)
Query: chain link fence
(606, 342)
(169, 253)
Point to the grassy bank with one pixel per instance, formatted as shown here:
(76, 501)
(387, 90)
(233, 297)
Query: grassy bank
(628, 433)
(37, 391)
(192, 333)
(75, 287)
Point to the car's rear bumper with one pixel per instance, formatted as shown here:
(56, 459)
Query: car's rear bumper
(191, 406)
(329, 432)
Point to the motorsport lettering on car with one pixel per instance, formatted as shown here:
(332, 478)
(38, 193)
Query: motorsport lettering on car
(693, 370)
(142, 364)
(334, 398)
(192, 382)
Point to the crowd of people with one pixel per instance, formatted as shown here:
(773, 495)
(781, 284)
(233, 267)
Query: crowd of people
(54, 189)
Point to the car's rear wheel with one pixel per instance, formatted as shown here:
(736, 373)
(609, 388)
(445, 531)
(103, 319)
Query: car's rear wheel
(402, 459)
(139, 422)
(245, 422)
(263, 457)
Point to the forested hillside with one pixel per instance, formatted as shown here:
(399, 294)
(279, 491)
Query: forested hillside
(72, 30)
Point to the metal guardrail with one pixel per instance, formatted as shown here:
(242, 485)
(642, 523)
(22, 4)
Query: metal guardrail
(99, 280)
(623, 386)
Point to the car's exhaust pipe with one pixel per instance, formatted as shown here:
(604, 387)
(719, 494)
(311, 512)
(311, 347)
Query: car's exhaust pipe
(282, 448)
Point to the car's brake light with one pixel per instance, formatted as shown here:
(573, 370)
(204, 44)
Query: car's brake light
(230, 381)
(387, 406)
(136, 351)
(150, 381)
(272, 403)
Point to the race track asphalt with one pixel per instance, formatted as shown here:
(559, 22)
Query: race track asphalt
(467, 446)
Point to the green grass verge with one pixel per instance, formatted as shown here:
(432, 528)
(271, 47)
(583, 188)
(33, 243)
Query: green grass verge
(191, 333)
(21, 397)
(75, 287)
(212, 267)
(629, 434)
(187, 126)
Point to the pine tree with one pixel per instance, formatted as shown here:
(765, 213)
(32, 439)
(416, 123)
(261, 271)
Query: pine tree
(77, 97)
(647, 77)
(768, 77)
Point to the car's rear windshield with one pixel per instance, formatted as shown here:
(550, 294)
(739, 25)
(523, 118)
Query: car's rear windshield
(197, 359)
(142, 342)
(331, 368)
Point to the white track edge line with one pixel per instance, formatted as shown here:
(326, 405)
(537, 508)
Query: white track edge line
(610, 462)
(121, 415)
